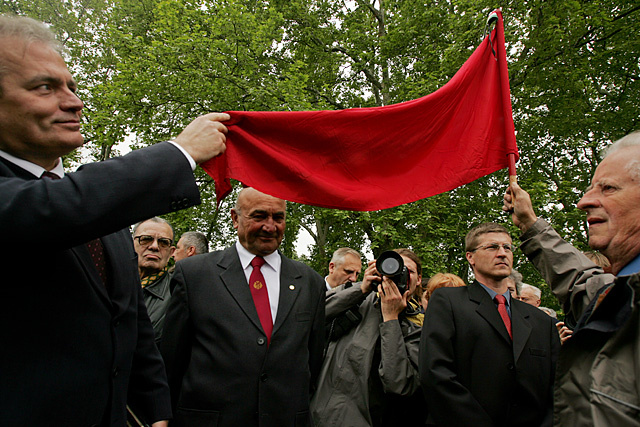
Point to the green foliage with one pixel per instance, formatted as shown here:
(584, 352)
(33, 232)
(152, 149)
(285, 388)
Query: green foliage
(148, 67)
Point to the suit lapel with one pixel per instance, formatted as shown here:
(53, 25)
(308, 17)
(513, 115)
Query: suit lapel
(115, 245)
(290, 287)
(487, 310)
(520, 327)
(84, 257)
(235, 281)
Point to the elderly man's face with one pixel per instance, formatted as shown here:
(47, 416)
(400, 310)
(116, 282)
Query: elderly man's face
(347, 271)
(260, 222)
(612, 203)
(153, 256)
(181, 251)
(39, 109)
(527, 295)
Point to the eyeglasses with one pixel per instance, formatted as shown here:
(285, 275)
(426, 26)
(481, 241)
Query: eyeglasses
(144, 240)
(494, 247)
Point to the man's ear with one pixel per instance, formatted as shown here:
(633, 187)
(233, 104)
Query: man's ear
(469, 256)
(332, 267)
(191, 251)
(234, 218)
(173, 249)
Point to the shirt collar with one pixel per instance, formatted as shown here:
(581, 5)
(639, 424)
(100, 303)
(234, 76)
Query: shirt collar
(273, 259)
(32, 168)
(493, 293)
(631, 268)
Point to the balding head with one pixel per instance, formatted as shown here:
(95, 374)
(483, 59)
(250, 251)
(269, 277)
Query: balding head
(260, 221)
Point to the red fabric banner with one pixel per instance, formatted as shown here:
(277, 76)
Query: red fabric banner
(375, 158)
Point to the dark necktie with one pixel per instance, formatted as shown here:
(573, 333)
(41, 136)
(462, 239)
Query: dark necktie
(260, 296)
(502, 309)
(95, 246)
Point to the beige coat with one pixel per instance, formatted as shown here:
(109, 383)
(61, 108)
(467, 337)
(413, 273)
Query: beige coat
(598, 371)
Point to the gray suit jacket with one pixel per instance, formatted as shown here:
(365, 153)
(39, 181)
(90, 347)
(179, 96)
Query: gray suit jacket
(221, 370)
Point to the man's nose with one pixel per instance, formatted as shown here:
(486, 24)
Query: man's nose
(269, 225)
(588, 200)
(70, 101)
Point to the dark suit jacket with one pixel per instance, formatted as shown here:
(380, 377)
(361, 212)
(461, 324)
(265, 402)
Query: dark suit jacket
(71, 351)
(221, 371)
(473, 374)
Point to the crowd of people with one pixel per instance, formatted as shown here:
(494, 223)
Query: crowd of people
(98, 330)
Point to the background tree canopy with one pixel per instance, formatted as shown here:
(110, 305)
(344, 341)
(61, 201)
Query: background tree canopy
(146, 68)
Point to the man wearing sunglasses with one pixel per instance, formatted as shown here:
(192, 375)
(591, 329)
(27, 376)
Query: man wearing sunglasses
(487, 359)
(153, 242)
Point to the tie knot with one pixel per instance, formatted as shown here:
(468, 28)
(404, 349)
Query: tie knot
(500, 299)
(49, 175)
(257, 262)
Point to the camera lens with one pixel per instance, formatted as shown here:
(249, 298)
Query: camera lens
(389, 266)
(389, 263)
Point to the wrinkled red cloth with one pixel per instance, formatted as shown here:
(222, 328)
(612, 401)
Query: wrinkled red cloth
(375, 158)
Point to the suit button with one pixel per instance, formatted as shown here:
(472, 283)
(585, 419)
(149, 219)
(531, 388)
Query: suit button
(115, 372)
(261, 341)
(263, 377)
(510, 367)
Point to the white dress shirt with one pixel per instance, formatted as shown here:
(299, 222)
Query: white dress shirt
(270, 270)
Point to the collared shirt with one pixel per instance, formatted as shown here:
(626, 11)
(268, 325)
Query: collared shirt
(493, 294)
(32, 168)
(37, 170)
(326, 283)
(270, 270)
(631, 268)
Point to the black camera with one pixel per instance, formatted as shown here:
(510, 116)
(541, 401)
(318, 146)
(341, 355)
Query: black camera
(390, 264)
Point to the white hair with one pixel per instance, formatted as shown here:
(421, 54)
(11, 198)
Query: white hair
(631, 140)
(536, 291)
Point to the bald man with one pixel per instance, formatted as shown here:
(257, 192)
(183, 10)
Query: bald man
(244, 331)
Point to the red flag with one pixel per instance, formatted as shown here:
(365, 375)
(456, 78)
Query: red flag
(376, 158)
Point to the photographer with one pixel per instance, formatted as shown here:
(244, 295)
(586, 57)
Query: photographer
(370, 373)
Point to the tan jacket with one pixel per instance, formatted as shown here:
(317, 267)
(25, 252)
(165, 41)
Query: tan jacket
(598, 371)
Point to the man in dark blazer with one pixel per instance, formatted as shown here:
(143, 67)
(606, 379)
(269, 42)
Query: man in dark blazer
(482, 364)
(76, 340)
(225, 368)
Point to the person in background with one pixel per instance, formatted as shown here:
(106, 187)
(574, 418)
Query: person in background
(487, 359)
(345, 266)
(369, 376)
(191, 243)
(153, 242)
(440, 280)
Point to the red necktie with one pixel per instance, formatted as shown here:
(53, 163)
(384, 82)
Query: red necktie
(502, 309)
(260, 296)
(95, 246)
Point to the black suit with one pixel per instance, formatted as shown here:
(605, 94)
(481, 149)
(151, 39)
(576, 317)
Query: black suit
(221, 370)
(72, 352)
(473, 374)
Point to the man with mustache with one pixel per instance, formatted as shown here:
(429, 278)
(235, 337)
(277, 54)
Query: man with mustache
(598, 381)
(244, 330)
(487, 359)
(77, 344)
